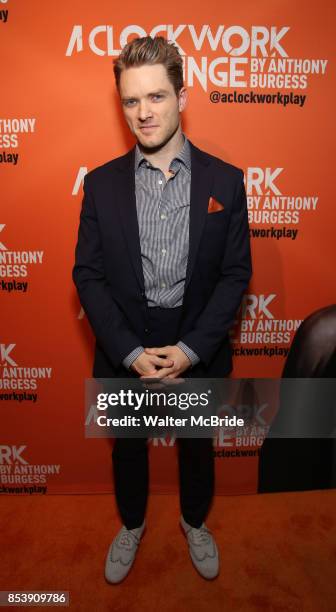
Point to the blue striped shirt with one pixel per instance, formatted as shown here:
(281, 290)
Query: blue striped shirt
(163, 210)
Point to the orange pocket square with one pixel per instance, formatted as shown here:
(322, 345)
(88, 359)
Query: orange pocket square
(214, 206)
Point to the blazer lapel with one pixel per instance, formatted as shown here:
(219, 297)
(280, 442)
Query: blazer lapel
(200, 191)
(128, 213)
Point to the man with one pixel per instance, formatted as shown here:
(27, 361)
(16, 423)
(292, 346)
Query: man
(162, 261)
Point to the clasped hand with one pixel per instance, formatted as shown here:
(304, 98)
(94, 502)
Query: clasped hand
(162, 362)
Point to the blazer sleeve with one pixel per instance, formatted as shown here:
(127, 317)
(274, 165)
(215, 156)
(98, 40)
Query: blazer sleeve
(213, 324)
(108, 322)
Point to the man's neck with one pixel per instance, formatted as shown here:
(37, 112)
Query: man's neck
(161, 158)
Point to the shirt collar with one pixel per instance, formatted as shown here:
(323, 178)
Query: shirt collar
(184, 156)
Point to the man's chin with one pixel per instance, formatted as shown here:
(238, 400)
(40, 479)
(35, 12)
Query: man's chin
(154, 143)
(150, 144)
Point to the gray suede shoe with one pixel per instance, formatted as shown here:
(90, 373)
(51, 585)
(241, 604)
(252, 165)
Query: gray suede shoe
(203, 550)
(122, 552)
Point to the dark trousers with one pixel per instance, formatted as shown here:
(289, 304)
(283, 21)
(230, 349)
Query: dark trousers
(195, 455)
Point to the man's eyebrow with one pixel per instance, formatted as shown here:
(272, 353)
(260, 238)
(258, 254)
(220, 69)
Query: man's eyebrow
(158, 91)
(151, 93)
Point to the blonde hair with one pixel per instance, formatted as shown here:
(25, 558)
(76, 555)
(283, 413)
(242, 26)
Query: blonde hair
(151, 51)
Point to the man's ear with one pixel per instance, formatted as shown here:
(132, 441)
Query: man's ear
(182, 98)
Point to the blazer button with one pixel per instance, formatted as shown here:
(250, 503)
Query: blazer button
(146, 330)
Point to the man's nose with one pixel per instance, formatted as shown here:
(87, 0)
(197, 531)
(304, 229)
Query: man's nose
(144, 110)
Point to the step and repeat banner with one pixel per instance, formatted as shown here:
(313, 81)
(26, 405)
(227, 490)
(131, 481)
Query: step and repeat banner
(261, 96)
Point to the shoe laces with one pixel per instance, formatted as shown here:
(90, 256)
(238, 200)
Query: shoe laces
(127, 538)
(200, 536)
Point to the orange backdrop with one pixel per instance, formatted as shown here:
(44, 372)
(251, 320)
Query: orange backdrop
(270, 66)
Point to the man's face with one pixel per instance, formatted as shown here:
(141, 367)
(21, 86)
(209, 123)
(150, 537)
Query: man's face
(150, 104)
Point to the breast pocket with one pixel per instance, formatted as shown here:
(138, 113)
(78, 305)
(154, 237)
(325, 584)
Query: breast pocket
(216, 221)
(213, 239)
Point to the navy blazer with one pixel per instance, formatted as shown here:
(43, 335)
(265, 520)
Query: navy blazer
(108, 269)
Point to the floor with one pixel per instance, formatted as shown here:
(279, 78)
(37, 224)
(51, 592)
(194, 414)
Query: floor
(278, 553)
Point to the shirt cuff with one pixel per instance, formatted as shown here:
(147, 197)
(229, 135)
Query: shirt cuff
(194, 358)
(127, 362)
